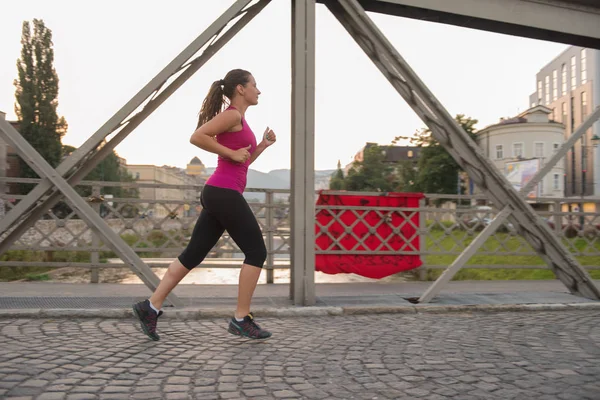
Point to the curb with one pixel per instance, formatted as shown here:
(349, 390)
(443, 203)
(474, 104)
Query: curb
(290, 312)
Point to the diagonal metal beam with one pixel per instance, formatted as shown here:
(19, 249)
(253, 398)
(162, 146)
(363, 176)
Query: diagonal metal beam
(461, 147)
(84, 210)
(587, 124)
(120, 116)
(461, 260)
(464, 257)
(35, 197)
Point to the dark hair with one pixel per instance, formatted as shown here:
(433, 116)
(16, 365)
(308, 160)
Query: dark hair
(219, 90)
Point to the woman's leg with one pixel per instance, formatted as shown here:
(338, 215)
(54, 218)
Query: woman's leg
(237, 217)
(175, 273)
(249, 275)
(206, 234)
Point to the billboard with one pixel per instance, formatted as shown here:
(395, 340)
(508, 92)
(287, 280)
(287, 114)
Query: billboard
(519, 173)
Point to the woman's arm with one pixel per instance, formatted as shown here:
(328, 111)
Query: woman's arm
(204, 137)
(268, 139)
(257, 152)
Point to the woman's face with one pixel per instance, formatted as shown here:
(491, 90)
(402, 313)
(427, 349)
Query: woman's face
(250, 92)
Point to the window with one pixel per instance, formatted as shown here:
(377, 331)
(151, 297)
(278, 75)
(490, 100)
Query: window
(539, 150)
(583, 106)
(554, 85)
(539, 99)
(499, 152)
(547, 87)
(517, 150)
(564, 114)
(553, 115)
(555, 147)
(410, 154)
(573, 73)
(583, 67)
(137, 175)
(556, 182)
(564, 79)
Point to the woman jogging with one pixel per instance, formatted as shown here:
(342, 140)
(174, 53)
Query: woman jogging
(227, 134)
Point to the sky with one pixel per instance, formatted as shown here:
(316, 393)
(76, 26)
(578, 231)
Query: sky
(105, 52)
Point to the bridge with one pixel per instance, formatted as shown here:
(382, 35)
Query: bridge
(574, 22)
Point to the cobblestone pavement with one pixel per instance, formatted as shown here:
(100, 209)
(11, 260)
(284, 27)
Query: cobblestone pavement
(526, 355)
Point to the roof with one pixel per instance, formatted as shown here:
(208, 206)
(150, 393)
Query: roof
(398, 153)
(196, 161)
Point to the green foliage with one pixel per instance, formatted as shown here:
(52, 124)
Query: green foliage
(337, 181)
(372, 174)
(437, 170)
(108, 170)
(406, 174)
(36, 97)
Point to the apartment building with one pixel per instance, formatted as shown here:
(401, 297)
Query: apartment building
(569, 86)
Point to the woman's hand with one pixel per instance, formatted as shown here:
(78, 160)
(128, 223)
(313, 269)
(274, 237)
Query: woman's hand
(241, 155)
(269, 137)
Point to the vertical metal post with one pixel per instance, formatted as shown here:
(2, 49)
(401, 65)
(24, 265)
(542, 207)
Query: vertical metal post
(302, 277)
(558, 219)
(270, 226)
(95, 256)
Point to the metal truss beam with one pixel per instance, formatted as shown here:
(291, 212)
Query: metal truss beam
(565, 21)
(462, 148)
(464, 257)
(53, 186)
(34, 205)
(84, 210)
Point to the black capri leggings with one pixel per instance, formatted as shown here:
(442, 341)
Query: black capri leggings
(224, 209)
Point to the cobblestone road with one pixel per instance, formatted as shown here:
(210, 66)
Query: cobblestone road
(542, 355)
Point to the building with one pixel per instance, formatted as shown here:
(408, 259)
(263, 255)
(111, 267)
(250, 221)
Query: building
(520, 146)
(195, 167)
(170, 176)
(570, 87)
(393, 154)
(9, 161)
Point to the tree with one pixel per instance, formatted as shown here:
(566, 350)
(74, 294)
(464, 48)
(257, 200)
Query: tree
(406, 174)
(372, 174)
(108, 170)
(337, 179)
(437, 170)
(36, 97)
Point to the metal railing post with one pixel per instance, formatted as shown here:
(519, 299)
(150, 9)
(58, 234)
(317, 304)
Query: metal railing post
(270, 226)
(422, 242)
(95, 255)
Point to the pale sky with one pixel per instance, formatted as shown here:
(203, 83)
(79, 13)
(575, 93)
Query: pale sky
(105, 52)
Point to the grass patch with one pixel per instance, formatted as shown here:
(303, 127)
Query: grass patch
(8, 274)
(501, 274)
(493, 252)
(37, 277)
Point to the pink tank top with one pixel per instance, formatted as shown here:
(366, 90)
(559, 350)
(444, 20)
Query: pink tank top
(230, 174)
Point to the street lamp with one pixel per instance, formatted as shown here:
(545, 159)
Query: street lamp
(595, 140)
